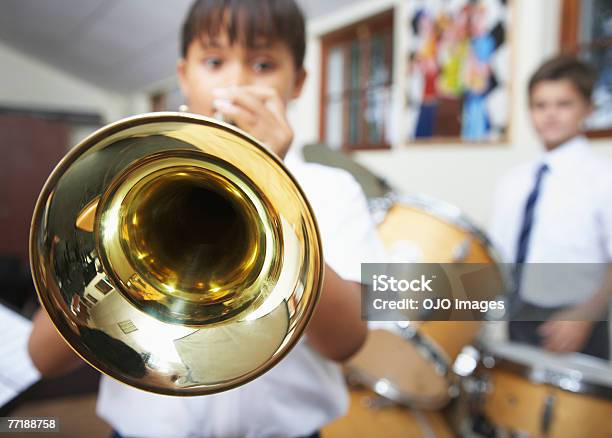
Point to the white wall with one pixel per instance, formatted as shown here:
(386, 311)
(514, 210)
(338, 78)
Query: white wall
(460, 174)
(29, 83)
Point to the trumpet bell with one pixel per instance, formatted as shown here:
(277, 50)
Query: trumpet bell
(176, 254)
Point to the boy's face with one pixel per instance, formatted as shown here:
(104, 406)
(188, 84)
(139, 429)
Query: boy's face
(210, 66)
(558, 111)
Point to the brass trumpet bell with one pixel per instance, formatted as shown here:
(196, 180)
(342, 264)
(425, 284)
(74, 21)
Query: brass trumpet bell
(176, 254)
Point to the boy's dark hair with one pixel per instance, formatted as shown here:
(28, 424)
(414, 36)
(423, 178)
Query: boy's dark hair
(247, 22)
(567, 67)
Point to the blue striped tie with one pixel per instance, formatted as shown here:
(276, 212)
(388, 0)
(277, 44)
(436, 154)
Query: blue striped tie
(523, 240)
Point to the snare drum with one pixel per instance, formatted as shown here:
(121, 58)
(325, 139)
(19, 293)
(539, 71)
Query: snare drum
(532, 391)
(411, 363)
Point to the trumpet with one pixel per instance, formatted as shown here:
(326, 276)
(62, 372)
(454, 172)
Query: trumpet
(176, 254)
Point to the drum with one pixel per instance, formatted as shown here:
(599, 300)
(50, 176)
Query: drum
(368, 417)
(411, 362)
(538, 393)
(421, 229)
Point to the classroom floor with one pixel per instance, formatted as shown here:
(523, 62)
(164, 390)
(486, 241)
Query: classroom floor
(77, 416)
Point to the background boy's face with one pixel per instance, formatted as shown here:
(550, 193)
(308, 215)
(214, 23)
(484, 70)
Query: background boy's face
(558, 111)
(211, 65)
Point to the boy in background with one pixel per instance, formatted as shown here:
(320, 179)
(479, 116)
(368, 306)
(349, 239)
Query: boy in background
(558, 209)
(243, 60)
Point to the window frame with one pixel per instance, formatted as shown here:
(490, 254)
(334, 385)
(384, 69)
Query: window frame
(346, 35)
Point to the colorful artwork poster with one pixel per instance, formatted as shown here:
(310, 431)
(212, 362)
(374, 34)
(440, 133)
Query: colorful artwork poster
(458, 70)
(595, 47)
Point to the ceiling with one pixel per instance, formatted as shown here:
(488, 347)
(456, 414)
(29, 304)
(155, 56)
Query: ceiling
(121, 45)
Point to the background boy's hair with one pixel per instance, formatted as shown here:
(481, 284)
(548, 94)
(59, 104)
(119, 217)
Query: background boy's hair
(567, 67)
(247, 22)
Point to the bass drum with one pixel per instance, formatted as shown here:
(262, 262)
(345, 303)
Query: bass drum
(367, 417)
(531, 391)
(411, 362)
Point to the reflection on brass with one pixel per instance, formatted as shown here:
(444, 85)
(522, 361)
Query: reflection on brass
(176, 254)
(85, 219)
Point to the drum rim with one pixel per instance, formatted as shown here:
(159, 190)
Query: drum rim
(568, 380)
(444, 210)
(430, 352)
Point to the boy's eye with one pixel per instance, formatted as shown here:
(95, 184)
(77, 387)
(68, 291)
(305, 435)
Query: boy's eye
(262, 66)
(212, 62)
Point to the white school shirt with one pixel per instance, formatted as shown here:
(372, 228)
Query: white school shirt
(572, 223)
(304, 391)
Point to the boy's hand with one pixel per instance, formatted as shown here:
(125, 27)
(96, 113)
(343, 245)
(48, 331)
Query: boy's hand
(564, 334)
(259, 111)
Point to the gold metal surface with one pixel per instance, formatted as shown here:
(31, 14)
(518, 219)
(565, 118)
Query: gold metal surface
(176, 254)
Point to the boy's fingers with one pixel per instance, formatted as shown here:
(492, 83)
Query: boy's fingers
(260, 112)
(553, 343)
(256, 99)
(549, 333)
(270, 96)
(564, 338)
(545, 328)
(246, 100)
(241, 117)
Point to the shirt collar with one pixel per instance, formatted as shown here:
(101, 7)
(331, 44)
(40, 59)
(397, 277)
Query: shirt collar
(566, 154)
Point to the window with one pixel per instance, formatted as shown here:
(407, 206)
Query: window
(586, 30)
(103, 286)
(356, 82)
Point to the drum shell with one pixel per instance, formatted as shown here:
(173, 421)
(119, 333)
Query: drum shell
(389, 421)
(413, 365)
(543, 400)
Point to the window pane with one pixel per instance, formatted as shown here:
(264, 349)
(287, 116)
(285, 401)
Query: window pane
(333, 123)
(354, 117)
(335, 72)
(354, 103)
(354, 56)
(333, 99)
(595, 35)
(379, 74)
(375, 113)
(376, 93)
(595, 20)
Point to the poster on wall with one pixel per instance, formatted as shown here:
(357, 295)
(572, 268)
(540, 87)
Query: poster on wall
(458, 71)
(586, 32)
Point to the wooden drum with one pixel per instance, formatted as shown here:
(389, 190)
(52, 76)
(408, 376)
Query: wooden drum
(542, 394)
(368, 418)
(411, 362)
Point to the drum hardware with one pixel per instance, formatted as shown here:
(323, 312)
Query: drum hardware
(568, 379)
(527, 391)
(462, 250)
(370, 415)
(426, 348)
(378, 402)
(425, 426)
(547, 415)
(429, 349)
(466, 361)
(380, 206)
